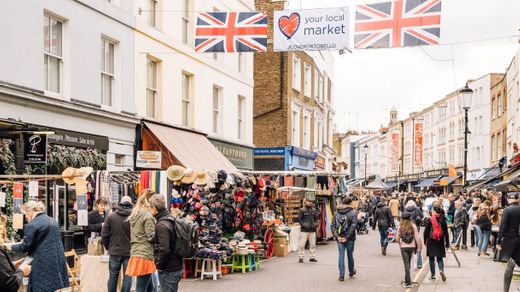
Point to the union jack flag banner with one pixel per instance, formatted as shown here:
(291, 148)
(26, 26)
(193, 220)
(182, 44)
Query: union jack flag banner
(231, 32)
(400, 23)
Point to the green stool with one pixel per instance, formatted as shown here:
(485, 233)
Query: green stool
(258, 260)
(240, 263)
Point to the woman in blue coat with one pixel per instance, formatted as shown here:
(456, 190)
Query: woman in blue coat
(42, 241)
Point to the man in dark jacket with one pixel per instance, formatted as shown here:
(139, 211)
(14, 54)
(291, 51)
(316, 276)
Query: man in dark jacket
(11, 274)
(308, 219)
(508, 239)
(343, 227)
(384, 219)
(116, 239)
(460, 224)
(169, 265)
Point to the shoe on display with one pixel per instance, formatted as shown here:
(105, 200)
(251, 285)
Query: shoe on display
(443, 277)
(301, 260)
(341, 278)
(313, 260)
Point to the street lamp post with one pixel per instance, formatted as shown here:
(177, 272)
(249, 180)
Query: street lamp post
(366, 150)
(465, 95)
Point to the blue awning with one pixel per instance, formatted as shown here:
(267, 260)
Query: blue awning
(391, 184)
(426, 182)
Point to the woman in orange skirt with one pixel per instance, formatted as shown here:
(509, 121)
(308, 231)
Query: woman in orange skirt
(142, 231)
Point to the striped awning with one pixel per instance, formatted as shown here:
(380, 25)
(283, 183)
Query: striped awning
(191, 149)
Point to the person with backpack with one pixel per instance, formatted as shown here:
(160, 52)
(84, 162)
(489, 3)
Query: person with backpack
(384, 220)
(436, 240)
(416, 217)
(460, 225)
(343, 226)
(142, 233)
(169, 265)
(308, 219)
(115, 235)
(410, 243)
(508, 239)
(484, 223)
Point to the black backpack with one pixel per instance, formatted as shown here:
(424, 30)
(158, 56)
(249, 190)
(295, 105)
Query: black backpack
(186, 243)
(408, 238)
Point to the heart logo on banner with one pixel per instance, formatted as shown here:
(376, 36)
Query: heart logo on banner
(289, 24)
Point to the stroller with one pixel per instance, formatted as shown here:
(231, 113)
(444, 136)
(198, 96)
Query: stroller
(362, 223)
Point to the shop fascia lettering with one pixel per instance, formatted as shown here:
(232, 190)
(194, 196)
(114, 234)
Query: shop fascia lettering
(70, 139)
(232, 152)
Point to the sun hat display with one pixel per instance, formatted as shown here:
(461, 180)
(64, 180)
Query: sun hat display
(202, 178)
(221, 176)
(175, 172)
(189, 176)
(71, 175)
(212, 178)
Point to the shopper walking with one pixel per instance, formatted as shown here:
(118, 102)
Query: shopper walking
(410, 243)
(344, 224)
(508, 239)
(42, 242)
(475, 229)
(169, 265)
(394, 207)
(416, 217)
(460, 225)
(384, 220)
(485, 225)
(96, 217)
(142, 232)
(116, 239)
(436, 239)
(308, 219)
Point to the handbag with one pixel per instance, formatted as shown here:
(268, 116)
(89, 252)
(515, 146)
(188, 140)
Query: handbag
(40, 239)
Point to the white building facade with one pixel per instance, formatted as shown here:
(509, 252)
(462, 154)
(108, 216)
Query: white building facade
(513, 106)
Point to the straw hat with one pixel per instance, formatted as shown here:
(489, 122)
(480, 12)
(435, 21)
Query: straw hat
(189, 177)
(202, 178)
(175, 172)
(70, 175)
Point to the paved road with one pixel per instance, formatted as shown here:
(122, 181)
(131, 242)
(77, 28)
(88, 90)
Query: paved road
(375, 272)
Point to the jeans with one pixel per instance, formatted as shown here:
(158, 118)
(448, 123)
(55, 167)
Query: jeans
(407, 253)
(114, 266)
(383, 232)
(170, 280)
(419, 259)
(478, 234)
(349, 246)
(440, 263)
(144, 284)
(484, 240)
(312, 244)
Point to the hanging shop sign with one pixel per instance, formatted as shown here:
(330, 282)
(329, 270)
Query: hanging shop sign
(312, 29)
(240, 156)
(301, 159)
(81, 140)
(148, 159)
(35, 148)
(395, 151)
(320, 162)
(418, 144)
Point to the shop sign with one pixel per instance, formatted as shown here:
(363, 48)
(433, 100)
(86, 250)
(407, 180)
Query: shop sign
(320, 162)
(412, 176)
(277, 151)
(304, 153)
(35, 148)
(80, 140)
(418, 144)
(437, 172)
(301, 162)
(240, 156)
(148, 159)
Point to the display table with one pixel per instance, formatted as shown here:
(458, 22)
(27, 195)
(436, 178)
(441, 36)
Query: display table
(94, 274)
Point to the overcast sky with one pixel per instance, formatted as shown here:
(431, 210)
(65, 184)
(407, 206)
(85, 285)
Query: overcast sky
(368, 83)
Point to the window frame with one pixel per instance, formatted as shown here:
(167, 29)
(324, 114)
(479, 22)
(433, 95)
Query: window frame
(185, 19)
(307, 79)
(241, 101)
(153, 9)
(50, 55)
(296, 74)
(217, 111)
(152, 88)
(104, 72)
(186, 99)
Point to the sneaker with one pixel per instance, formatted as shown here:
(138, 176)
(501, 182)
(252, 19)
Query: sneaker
(456, 247)
(383, 250)
(352, 274)
(464, 247)
(408, 285)
(313, 260)
(433, 278)
(301, 260)
(443, 277)
(341, 278)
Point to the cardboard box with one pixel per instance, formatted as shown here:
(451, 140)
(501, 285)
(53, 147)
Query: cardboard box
(280, 240)
(281, 250)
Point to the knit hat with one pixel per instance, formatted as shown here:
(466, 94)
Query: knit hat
(126, 199)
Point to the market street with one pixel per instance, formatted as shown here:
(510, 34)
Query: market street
(374, 272)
